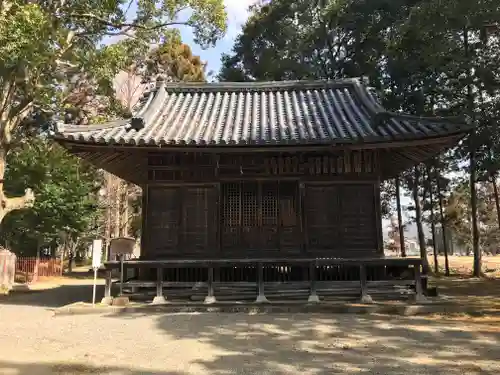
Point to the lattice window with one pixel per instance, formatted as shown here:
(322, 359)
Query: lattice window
(264, 217)
(249, 205)
(269, 204)
(288, 204)
(231, 203)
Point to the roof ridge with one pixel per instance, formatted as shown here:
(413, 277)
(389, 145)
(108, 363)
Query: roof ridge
(254, 85)
(61, 127)
(405, 116)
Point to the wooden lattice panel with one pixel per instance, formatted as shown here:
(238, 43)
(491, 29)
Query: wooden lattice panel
(259, 218)
(269, 213)
(230, 215)
(289, 218)
(250, 216)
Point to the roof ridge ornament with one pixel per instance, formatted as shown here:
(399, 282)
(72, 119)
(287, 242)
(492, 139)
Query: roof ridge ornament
(150, 109)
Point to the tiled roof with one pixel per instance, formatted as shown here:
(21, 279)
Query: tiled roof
(261, 113)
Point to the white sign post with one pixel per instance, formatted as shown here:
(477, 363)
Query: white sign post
(96, 263)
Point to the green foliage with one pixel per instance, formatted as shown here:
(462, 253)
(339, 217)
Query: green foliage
(66, 196)
(174, 60)
(425, 57)
(52, 50)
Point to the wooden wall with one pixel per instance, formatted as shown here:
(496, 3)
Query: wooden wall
(262, 206)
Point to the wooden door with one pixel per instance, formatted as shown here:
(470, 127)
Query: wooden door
(198, 221)
(260, 218)
(163, 214)
(322, 212)
(290, 232)
(358, 234)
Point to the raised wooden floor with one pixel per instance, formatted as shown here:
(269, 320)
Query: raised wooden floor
(308, 279)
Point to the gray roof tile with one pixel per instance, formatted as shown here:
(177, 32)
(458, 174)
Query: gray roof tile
(289, 112)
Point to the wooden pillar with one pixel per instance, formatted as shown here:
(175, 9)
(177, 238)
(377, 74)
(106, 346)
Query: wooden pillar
(144, 224)
(144, 273)
(160, 298)
(210, 298)
(313, 296)
(261, 297)
(378, 218)
(365, 297)
(122, 274)
(218, 222)
(302, 217)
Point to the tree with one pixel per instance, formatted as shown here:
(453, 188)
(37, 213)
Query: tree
(400, 217)
(66, 196)
(173, 61)
(47, 47)
(423, 57)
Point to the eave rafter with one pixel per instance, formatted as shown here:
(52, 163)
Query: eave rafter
(126, 164)
(396, 160)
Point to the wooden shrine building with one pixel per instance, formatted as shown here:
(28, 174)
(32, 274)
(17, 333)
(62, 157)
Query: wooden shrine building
(262, 172)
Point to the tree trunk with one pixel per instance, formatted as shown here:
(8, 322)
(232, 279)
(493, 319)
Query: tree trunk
(497, 200)
(117, 210)
(109, 214)
(71, 257)
(418, 217)
(9, 204)
(443, 226)
(61, 256)
(125, 211)
(472, 161)
(400, 219)
(433, 224)
(473, 203)
(37, 263)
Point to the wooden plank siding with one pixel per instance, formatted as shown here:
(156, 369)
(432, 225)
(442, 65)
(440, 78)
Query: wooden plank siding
(256, 220)
(279, 205)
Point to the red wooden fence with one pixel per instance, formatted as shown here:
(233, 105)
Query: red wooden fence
(29, 269)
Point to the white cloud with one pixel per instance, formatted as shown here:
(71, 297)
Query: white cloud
(237, 14)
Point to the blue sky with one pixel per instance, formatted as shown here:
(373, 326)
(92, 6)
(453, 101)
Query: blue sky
(237, 11)
(237, 15)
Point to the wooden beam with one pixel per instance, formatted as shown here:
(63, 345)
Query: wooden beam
(389, 144)
(144, 221)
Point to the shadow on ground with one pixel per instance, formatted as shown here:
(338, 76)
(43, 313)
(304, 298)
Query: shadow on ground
(225, 343)
(337, 344)
(457, 287)
(52, 298)
(11, 368)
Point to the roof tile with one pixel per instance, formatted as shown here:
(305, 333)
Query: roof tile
(289, 112)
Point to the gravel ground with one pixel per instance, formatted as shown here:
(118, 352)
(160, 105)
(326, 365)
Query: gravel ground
(34, 342)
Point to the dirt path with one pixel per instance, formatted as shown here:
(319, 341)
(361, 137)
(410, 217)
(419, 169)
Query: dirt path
(56, 292)
(34, 342)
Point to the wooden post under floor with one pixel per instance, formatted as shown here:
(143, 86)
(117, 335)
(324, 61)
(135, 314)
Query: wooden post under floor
(313, 296)
(210, 298)
(261, 297)
(365, 297)
(159, 298)
(108, 298)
